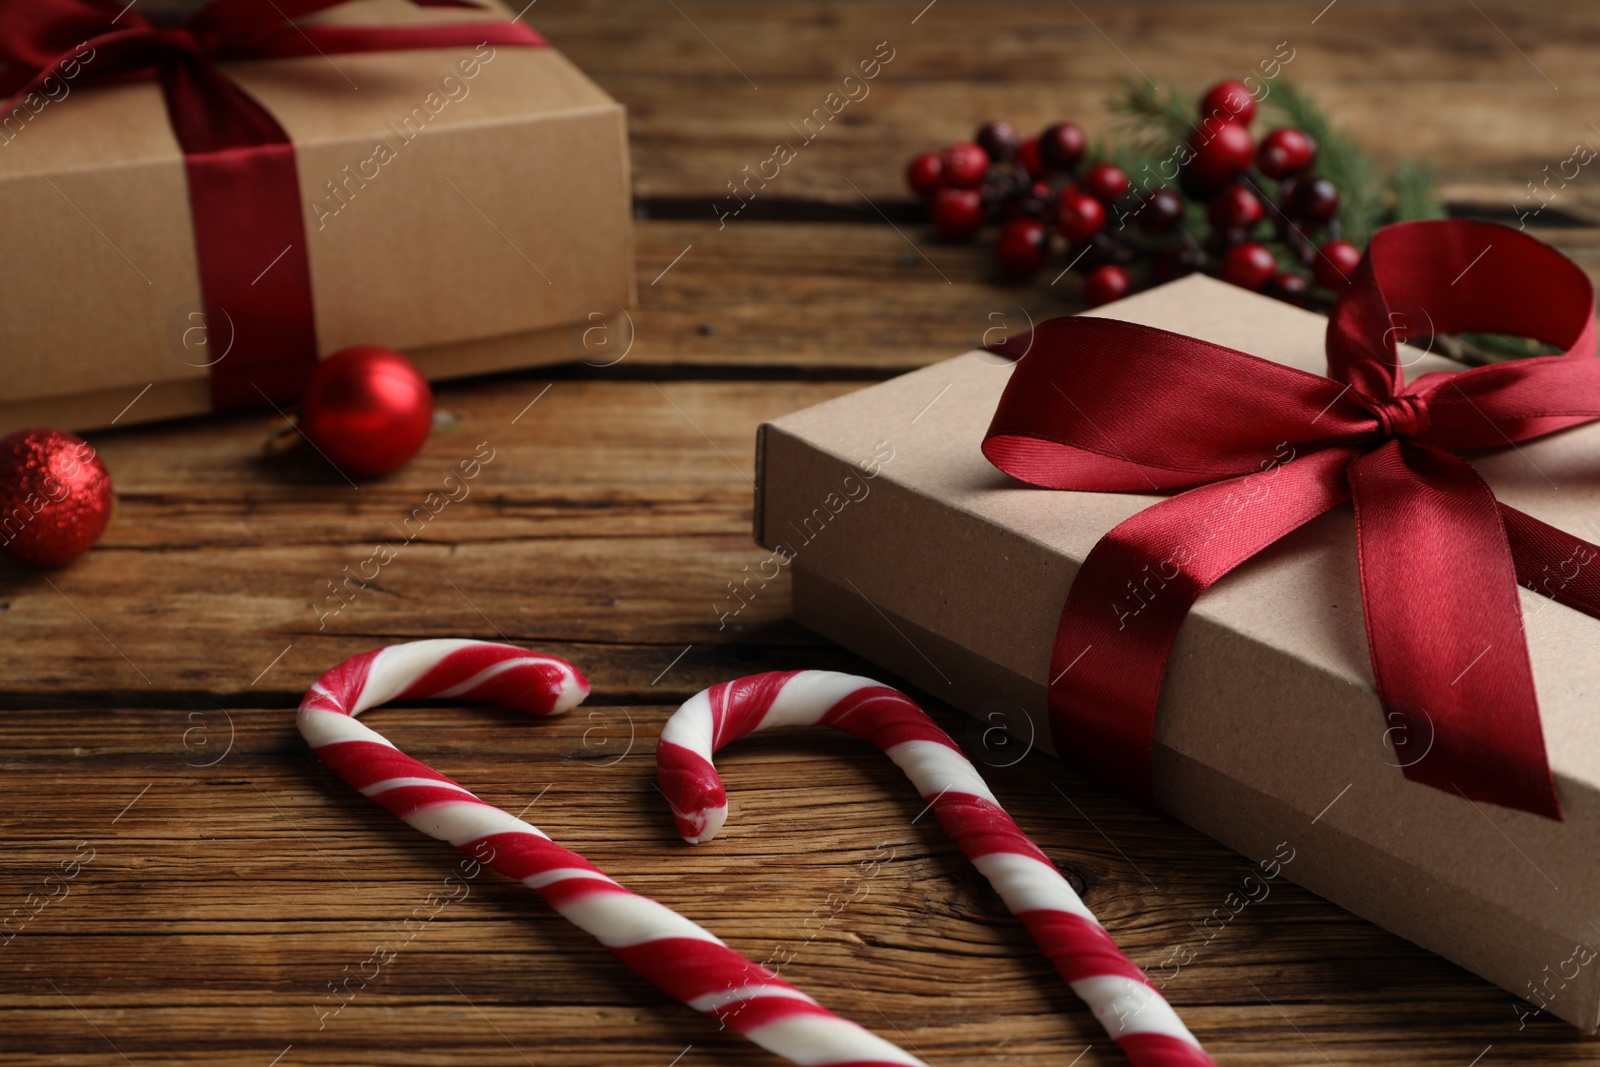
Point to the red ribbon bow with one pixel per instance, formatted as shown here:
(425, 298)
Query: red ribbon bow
(243, 190)
(1109, 406)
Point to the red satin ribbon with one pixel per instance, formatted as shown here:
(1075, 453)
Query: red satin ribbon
(244, 193)
(1110, 406)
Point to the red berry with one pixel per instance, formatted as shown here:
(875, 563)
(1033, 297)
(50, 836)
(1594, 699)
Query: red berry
(1079, 216)
(957, 213)
(1105, 182)
(1105, 284)
(1023, 247)
(998, 139)
(1221, 154)
(1173, 261)
(925, 174)
(1061, 146)
(1312, 199)
(1249, 265)
(965, 164)
(1028, 156)
(1236, 207)
(1228, 101)
(1285, 152)
(1162, 210)
(1335, 264)
(1289, 282)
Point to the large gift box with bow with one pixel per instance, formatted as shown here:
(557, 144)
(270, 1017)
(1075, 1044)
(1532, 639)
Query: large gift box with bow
(1395, 672)
(200, 200)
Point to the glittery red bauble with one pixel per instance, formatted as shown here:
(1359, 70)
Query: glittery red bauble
(55, 497)
(368, 409)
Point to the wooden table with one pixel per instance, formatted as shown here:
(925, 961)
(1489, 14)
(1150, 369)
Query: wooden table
(234, 881)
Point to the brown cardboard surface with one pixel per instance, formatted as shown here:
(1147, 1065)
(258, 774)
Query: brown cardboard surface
(952, 575)
(504, 216)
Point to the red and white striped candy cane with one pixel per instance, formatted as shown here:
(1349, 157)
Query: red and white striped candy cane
(1135, 1015)
(671, 952)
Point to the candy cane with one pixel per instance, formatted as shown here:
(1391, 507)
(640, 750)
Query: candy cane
(672, 953)
(1116, 990)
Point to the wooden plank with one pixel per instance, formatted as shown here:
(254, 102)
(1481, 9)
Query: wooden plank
(221, 900)
(1489, 96)
(604, 524)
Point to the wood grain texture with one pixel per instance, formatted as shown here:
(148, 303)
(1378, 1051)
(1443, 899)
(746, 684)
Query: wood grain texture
(1489, 96)
(149, 689)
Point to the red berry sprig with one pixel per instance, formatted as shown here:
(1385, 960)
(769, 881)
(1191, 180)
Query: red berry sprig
(1268, 222)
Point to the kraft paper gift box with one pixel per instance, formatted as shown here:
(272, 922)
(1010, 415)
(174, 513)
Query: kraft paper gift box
(469, 207)
(906, 546)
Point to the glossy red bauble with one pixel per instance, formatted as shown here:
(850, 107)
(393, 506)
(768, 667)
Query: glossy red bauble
(1105, 182)
(55, 497)
(1236, 207)
(965, 164)
(924, 174)
(1023, 246)
(1249, 265)
(1105, 284)
(1061, 146)
(1285, 152)
(1335, 264)
(1229, 100)
(957, 213)
(1221, 154)
(367, 409)
(1079, 216)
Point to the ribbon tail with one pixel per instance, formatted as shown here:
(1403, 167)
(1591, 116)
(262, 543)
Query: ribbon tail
(1134, 590)
(1554, 562)
(1444, 626)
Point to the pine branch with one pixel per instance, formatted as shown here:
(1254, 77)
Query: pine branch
(1156, 121)
(1412, 186)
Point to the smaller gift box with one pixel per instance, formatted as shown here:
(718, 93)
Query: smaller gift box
(462, 197)
(906, 545)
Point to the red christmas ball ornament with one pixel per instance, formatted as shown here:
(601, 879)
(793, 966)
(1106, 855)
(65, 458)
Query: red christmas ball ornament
(1229, 101)
(1106, 283)
(1023, 246)
(957, 213)
(1221, 154)
(55, 497)
(965, 164)
(1285, 152)
(367, 409)
(1249, 265)
(1079, 216)
(1335, 264)
(924, 173)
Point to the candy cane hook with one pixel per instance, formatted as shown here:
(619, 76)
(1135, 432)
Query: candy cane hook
(1134, 1014)
(672, 953)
